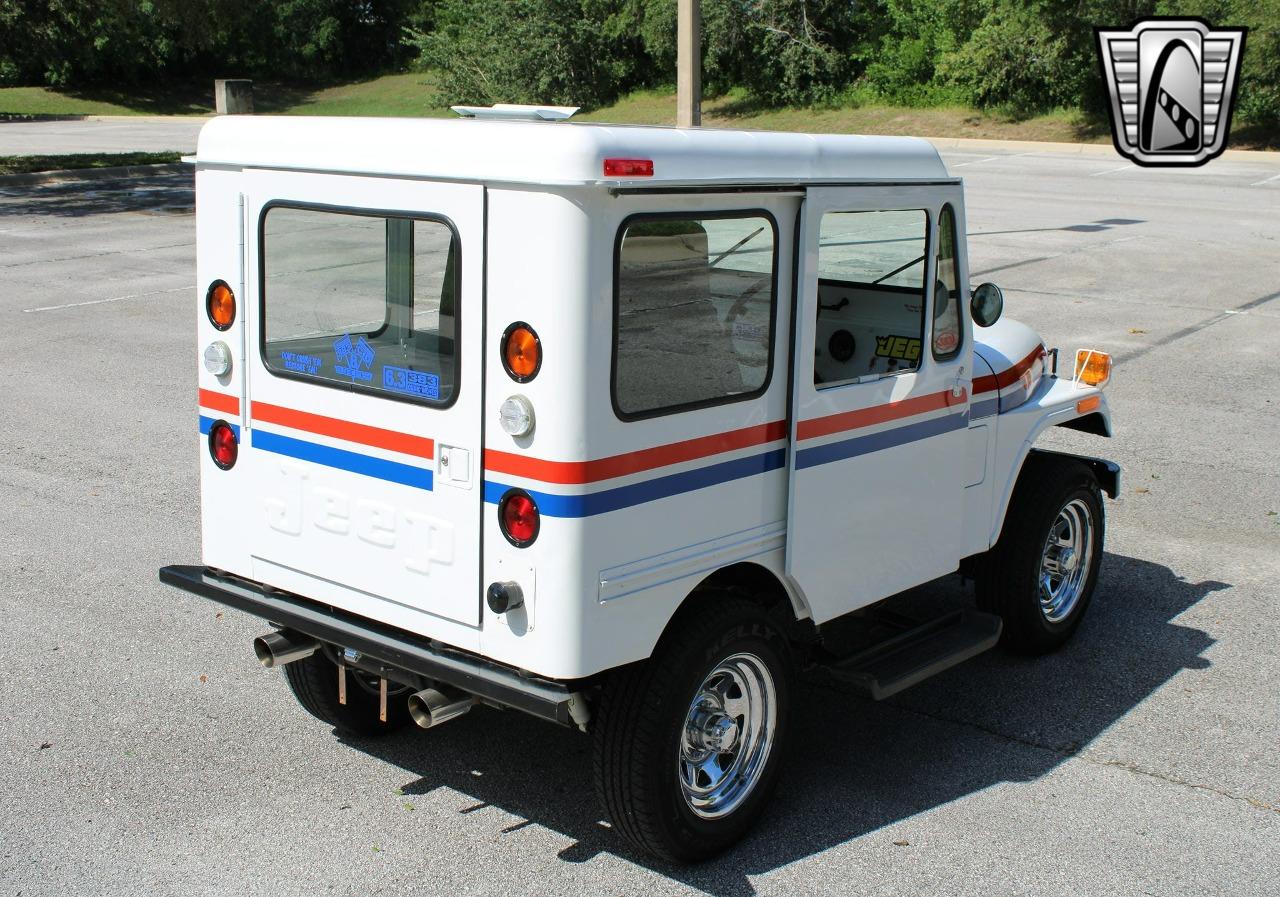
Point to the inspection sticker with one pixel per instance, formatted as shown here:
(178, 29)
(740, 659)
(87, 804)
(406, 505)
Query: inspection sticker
(304, 364)
(353, 360)
(413, 383)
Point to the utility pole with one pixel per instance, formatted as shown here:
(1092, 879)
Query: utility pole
(689, 64)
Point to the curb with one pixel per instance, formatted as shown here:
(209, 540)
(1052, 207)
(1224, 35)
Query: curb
(65, 175)
(1076, 149)
(38, 117)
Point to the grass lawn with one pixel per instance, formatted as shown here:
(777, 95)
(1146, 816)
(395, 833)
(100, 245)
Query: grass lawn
(407, 94)
(43, 101)
(29, 164)
(734, 111)
(416, 94)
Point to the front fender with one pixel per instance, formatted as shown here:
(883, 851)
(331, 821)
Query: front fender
(1057, 403)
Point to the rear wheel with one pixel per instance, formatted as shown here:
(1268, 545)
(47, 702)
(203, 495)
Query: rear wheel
(314, 682)
(1041, 575)
(688, 744)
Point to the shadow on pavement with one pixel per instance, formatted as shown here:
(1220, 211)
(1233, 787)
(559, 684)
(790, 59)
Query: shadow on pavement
(855, 766)
(171, 193)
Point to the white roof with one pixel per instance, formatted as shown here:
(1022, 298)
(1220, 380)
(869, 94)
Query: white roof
(559, 153)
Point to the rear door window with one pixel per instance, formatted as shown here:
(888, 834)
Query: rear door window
(695, 311)
(361, 302)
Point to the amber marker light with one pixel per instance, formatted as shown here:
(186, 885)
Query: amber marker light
(521, 352)
(1093, 368)
(1084, 406)
(220, 303)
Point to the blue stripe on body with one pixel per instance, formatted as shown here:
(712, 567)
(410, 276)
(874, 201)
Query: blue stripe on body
(206, 424)
(1015, 399)
(985, 408)
(865, 445)
(378, 468)
(589, 505)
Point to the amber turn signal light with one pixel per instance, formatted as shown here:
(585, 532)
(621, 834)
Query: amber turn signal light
(220, 303)
(521, 352)
(1093, 368)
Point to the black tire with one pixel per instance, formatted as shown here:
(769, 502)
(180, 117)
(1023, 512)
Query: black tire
(1008, 577)
(640, 722)
(314, 682)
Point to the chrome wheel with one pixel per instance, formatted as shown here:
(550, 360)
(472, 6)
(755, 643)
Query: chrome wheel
(727, 736)
(1065, 562)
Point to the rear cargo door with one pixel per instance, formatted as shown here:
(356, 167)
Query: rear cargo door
(362, 436)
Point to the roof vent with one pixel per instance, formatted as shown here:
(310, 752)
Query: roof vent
(517, 112)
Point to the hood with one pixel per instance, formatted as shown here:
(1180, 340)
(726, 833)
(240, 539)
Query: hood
(1015, 355)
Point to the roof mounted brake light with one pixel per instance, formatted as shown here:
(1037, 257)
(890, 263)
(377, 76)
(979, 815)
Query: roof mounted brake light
(628, 168)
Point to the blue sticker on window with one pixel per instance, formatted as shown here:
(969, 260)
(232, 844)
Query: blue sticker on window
(353, 360)
(303, 364)
(412, 383)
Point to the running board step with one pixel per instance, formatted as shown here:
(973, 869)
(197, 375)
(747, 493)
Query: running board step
(913, 656)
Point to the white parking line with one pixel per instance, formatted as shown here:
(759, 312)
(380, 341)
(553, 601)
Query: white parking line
(111, 299)
(976, 162)
(1265, 180)
(1111, 171)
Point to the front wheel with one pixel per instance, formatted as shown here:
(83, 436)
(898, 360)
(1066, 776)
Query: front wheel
(1040, 576)
(689, 743)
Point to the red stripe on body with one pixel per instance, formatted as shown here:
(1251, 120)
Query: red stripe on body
(1008, 376)
(364, 434)
(218, 401)
(580, 472)
(879, 414)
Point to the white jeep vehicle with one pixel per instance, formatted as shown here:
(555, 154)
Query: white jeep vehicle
(606, 424)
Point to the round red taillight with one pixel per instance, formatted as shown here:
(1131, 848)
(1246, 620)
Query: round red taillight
(521, 352)
(223, 446)
(518, 518)
(220, 303)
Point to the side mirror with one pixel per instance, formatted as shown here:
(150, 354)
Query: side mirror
(987, 304)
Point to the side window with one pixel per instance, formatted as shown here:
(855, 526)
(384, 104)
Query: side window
(694, 311)
(361, 302)
(947, 329)
(871, 295)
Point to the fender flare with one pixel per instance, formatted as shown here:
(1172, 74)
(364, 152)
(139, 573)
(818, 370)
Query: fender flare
(1057, 415)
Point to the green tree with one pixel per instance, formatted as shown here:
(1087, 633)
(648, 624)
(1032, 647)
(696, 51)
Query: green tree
(564, 52)
(1258, 92)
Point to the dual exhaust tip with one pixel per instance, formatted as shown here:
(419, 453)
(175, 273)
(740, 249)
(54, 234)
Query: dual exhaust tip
(275, 649)
(429, 707)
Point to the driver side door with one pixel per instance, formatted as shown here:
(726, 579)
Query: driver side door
(882, 379)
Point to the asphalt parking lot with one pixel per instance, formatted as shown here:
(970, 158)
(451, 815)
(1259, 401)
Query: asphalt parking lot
(144, 751)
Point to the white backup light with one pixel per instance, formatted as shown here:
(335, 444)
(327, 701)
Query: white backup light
(516, 416)
(217, 359)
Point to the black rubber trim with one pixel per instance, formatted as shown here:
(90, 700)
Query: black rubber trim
(1107, 472)
(394, 647)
